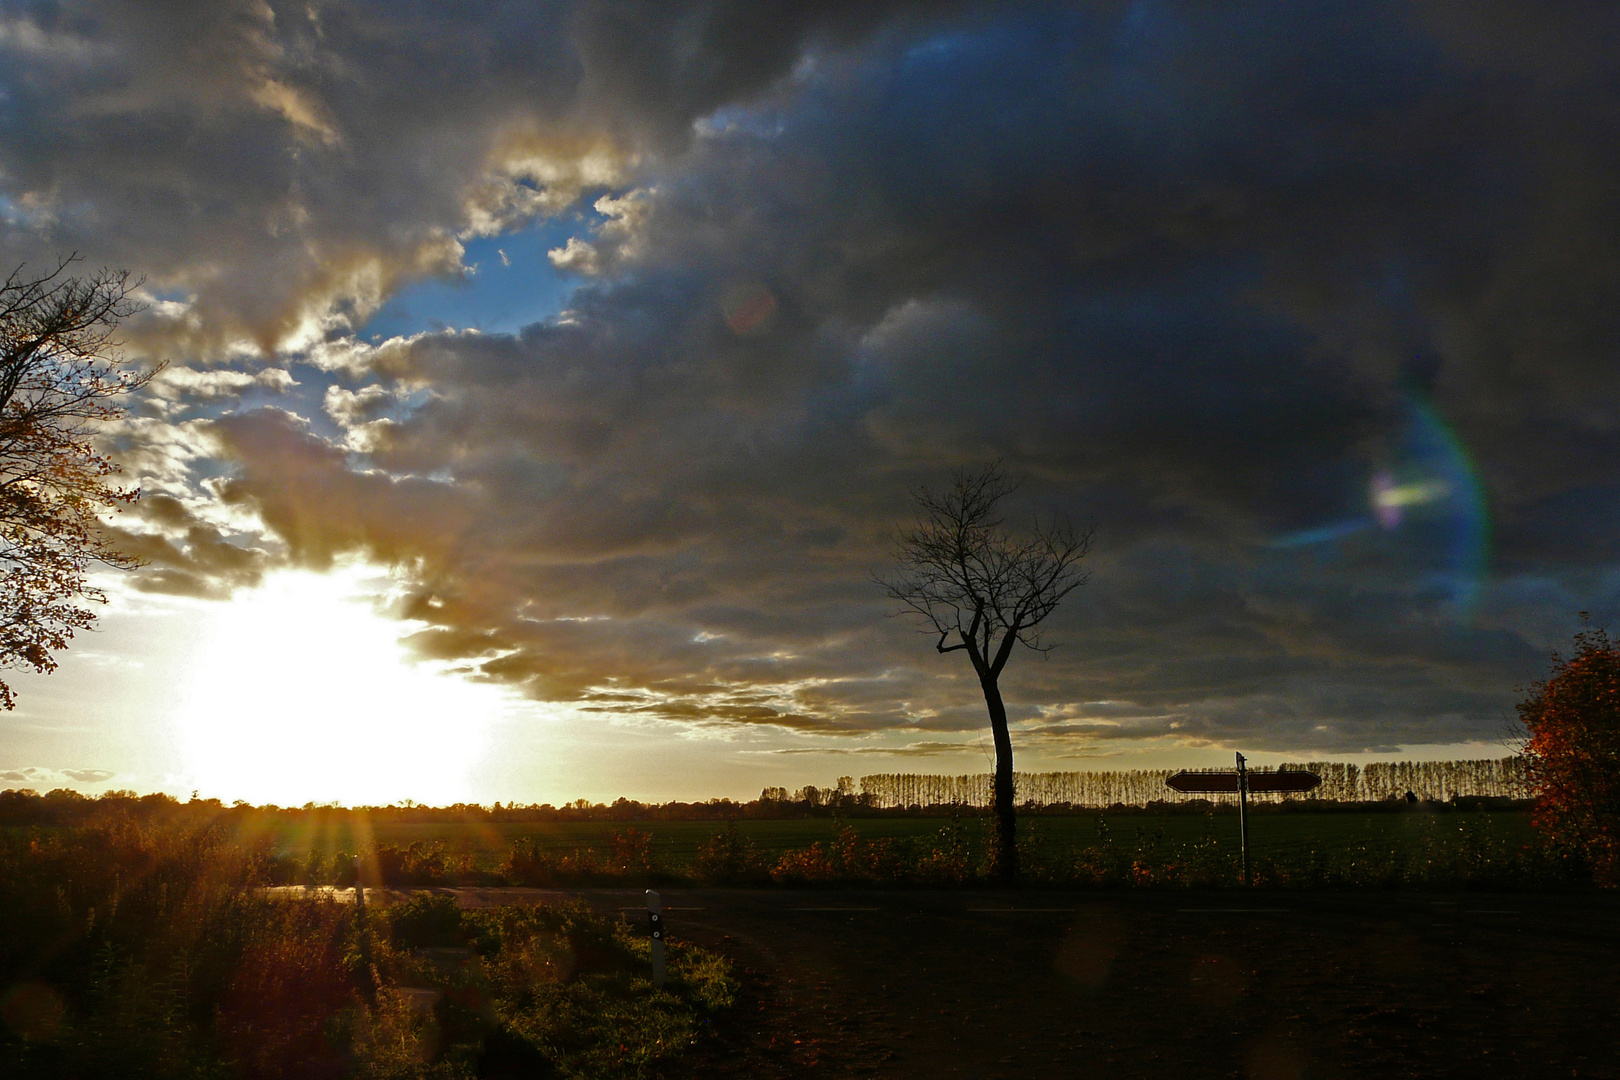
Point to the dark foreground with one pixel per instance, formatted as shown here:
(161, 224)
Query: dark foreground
(1153, 984)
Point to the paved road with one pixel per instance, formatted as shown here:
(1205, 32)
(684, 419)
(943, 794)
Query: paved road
(1147, 983)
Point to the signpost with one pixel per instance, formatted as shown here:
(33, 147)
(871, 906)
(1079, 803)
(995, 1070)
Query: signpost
(655, 917)
(1242, 781)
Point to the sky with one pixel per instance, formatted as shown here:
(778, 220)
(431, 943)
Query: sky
(546, 381)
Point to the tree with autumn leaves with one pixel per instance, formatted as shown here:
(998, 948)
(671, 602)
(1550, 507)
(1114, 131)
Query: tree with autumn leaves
(62, 373)
(1573, 720)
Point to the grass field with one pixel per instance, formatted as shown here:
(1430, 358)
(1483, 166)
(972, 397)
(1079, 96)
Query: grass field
(675, 843)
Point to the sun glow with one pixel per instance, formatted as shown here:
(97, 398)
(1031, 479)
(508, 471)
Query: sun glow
(303, 692)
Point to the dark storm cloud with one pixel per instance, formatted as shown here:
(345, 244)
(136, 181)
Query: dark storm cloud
(1207, 275)
(285, 163)
(1188, 291)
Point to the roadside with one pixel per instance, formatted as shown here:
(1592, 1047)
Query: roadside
(1014, 984)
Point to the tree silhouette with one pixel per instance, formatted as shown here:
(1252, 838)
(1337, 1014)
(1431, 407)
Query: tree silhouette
(963, 571)
(1573, 719)
(61, 372)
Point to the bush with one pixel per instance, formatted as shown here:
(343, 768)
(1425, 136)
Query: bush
(145, 951)
(148, 953)
(852, 859)
(1573, 719)
(425, 921)
(729, 858)
(629, 858)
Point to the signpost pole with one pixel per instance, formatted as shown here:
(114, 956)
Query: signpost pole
(1220, 782)
(655, 916)
(1243, 813)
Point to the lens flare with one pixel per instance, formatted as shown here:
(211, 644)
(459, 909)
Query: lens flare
(1390, 497)
(1426, 504)
(747, 307)
(1322, 534)
(1446, 486)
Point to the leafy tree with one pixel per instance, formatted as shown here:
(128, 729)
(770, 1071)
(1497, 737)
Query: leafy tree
(61, 374)
(1573, 719)
(964, 572)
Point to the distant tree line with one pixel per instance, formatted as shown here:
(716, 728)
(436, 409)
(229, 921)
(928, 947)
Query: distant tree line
(63, 806)
(1341, 782)
(1496, 778)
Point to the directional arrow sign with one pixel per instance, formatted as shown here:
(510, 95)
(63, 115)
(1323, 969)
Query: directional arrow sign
(1212, 783)
(1242, 782)
(1204, 782)
(1283, 781)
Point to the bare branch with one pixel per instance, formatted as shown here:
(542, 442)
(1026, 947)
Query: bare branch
(959, 558)
(959, 562)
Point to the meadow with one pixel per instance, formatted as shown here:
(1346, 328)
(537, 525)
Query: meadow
(1428, 846)
(675, 844)
(136, 935)
(1477, 842)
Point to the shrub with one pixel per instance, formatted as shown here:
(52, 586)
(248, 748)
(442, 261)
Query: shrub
(630, 854)
(527, 863)
(629, 857)
(149, 952)
(729, 858)
(432, 919)
(1573, 719)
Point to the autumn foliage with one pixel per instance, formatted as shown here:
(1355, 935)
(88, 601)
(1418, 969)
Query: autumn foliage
(1573, 719)
(61, 375)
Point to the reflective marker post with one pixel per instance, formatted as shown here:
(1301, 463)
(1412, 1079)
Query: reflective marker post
(655, 918)
(1243, 814)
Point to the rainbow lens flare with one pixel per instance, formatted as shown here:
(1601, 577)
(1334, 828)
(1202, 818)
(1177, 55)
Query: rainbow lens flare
(1426, 511)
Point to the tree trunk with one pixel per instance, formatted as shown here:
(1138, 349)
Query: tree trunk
(1004, 857)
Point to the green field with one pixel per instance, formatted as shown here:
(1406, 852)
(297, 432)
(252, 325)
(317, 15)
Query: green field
(675, 843)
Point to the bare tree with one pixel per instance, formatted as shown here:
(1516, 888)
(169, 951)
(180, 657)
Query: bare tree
(984, 591)
(61, 373)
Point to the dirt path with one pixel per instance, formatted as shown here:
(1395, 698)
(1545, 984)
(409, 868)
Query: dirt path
(1031, 985)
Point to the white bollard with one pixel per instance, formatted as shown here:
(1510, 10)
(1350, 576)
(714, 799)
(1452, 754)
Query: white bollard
(655, 917)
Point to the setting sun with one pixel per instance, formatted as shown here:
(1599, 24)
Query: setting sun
(303, 692)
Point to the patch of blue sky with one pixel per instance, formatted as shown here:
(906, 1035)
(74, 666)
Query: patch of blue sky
(1323, 534)
(21, 216)
(512, 285)
(305, 400)
(939, 47)
(764, 123)
(174, 294)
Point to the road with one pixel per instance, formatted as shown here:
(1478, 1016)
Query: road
(1147, 983)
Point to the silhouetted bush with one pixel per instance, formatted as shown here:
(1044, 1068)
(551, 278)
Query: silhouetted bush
(852, 859)
(143, 950)
(629, 858)
(730, 858)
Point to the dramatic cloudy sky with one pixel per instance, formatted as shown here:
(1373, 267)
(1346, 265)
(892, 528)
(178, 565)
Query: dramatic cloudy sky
(546, 380)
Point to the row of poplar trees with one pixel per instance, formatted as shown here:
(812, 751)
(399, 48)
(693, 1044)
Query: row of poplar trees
(1341, 782)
